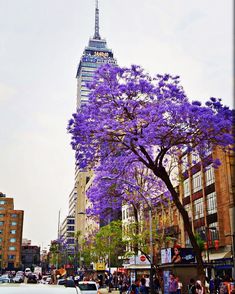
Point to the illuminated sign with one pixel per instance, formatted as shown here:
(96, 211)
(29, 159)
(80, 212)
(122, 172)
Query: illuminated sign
(103, 54)
(183, 255)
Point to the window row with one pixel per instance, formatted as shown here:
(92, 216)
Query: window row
(11, 223)
(14, 215)
(10, 248)
(11, 240)
(198, 206)
(197, 181)
(195, 158)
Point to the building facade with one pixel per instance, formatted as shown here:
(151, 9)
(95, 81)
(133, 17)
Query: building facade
(209, 197)
(11, 227)
(30, 256)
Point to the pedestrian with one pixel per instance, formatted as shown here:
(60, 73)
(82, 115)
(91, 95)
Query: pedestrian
(217, 284)
(180, 285)
(173, 284)
(135, 287)
(143, 289)
(199, 287)
(147, 282)
(192, 287)
(212, 286)
(156, 284)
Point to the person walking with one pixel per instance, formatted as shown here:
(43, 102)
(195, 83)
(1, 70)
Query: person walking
(180, 286)
(143, 289)
(191, 287)
(173, 284)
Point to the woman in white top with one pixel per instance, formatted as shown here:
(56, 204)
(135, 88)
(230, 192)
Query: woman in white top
(199, 287)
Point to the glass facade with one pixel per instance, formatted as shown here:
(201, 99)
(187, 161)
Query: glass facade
(93, 56)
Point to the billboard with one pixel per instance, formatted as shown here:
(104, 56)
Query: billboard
(177, 255)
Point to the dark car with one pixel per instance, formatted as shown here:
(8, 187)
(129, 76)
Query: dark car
(32, 279)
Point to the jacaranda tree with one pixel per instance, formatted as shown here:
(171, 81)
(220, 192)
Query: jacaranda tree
(134, 118)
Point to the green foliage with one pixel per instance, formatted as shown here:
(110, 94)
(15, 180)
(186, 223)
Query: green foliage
(200, 241)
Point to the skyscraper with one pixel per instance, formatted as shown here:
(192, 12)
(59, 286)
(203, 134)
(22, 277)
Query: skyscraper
(95, 54)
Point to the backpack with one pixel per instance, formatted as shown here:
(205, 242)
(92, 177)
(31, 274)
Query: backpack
(223, 289)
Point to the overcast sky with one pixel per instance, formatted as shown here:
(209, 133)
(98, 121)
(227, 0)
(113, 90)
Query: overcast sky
(41, 42)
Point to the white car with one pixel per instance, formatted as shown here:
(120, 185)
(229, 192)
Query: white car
(36, 289)
(87, 287)
(27, 271)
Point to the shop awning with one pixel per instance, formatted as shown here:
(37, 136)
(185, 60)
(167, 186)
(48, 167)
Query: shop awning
(220, 255)
(137, 266)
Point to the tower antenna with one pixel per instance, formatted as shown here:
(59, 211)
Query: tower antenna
(97, 34)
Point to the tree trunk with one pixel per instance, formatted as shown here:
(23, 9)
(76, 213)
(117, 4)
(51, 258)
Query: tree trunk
(161, 173)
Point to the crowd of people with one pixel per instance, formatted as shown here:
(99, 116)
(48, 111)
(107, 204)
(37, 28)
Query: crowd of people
(141, 285)
(215, 285)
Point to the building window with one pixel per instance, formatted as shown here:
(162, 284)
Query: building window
(189, 210)
(184, 163)
(1, 223)
(14, 215)
(2, 202)
(213, 231)
(2, 208)
(0, 240)
(14, 223)
(210, 175)
(70, 228)
(123, 214)
(70, 221)
(1, 215)
(198, 208)
(1, 231)
(10, 257)
(11, 248)
(13, 232)
(12, 240)
(197, 182)
(211, 203)
(186, 188)
(195, 158)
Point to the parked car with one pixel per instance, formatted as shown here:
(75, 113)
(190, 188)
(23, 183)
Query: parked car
(19, 278)
(27, 271)
(32, 279)
(4, 280)
(61, 281)
(87, 287)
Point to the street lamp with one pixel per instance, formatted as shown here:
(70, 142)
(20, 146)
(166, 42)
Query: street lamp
(233, 251)
(80, 257)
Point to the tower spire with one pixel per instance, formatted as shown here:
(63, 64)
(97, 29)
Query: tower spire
(97, 34)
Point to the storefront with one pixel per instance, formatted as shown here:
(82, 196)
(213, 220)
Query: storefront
(137, 267)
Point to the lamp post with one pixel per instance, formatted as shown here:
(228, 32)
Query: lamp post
(233, 251)
(149, 205)
(80, 257)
